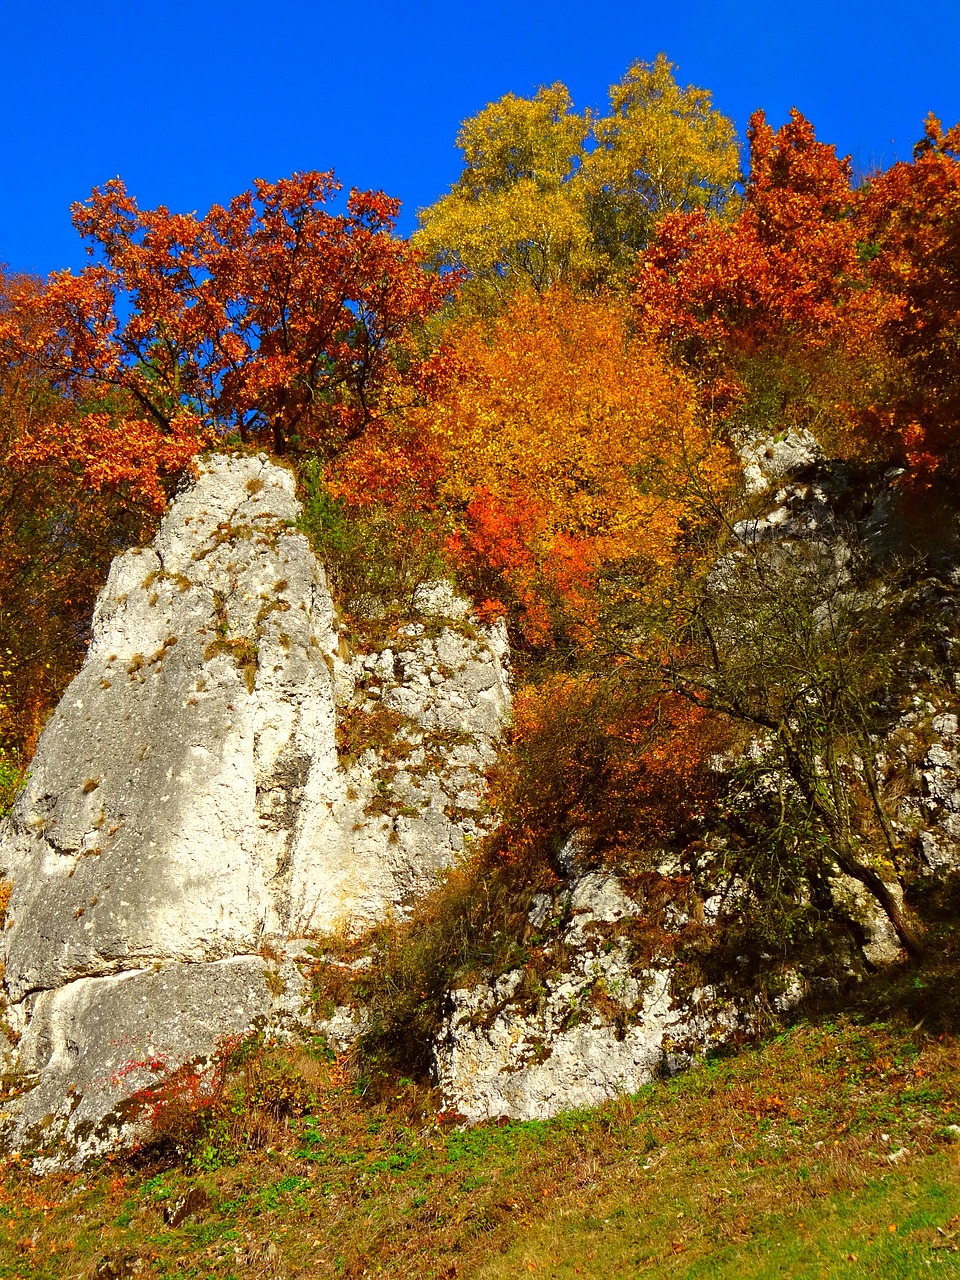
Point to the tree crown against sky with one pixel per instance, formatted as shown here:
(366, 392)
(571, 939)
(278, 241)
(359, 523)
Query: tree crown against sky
(415, 74)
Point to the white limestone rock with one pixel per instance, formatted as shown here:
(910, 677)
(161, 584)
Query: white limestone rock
(881, 946)
(91, 1047)
(935, 807)
(768, 459)
(498, 1056)
(406, 811)
(154, 823)
(187, 806)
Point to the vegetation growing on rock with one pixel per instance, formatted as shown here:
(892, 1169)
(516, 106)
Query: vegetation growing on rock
(731, 689)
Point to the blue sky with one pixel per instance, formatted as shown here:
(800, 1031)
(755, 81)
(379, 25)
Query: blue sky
(189, 100)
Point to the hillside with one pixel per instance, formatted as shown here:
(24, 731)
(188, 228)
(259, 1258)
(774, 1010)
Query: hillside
(827, 1152)
(480, 731)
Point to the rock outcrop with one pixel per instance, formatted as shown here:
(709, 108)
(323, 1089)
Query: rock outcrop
(601, 1025)
(598, 1014)
(188, 811)
(224, 781)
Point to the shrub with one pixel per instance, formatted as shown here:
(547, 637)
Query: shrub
(208, 1112)
(11, 776)
(376, 556)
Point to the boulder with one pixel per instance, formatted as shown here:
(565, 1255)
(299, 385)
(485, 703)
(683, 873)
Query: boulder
(600, 1026)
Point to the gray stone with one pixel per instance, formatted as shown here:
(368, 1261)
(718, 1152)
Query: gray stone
(498, 1056)
(187, 805)
(881, 945)
(92, 1046)
(769, 458)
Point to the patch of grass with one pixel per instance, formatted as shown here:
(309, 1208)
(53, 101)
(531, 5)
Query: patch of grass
(379, 730)
(824, 1152)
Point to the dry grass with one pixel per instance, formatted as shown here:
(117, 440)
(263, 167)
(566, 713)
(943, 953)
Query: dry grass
(781, 1161)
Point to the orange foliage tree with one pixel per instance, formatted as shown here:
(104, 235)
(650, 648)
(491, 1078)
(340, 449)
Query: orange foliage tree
(573, 462)
(270, 315)
(909, 221)
(783, 289)
(79, 481)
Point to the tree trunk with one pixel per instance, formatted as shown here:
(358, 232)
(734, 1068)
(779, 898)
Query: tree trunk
(809, 785)
(907, 932)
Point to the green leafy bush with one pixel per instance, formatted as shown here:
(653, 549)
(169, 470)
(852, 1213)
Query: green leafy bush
(376, 558)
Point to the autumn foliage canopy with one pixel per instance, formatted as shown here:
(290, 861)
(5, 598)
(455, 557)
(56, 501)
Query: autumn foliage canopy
(542, 392)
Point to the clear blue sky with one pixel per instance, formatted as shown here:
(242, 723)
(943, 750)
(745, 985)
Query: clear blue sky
(189, 100)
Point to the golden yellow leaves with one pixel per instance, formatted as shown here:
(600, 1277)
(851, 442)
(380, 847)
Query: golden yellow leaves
(571, 447)
(550, 196)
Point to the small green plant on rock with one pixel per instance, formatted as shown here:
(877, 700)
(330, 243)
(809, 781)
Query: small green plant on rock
(376, 558)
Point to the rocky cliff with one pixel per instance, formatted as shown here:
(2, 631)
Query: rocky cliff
(226, 783)
(188, 812)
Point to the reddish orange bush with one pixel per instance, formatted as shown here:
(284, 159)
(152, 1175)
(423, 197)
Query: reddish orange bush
(625, 768)
(571, 454)
(78, 482)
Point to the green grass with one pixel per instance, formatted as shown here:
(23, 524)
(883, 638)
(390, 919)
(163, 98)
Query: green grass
(894, 1226)
(774, 1162)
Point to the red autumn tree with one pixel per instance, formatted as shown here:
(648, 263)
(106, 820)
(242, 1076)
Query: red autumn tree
(784, 289)
(909, 223)
(789, 267)
(79, 481)
(270, 315)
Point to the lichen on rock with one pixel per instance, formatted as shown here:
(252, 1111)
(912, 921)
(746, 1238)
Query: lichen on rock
(600, 1026)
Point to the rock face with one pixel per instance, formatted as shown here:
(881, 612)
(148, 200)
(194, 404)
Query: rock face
(605, 1017)
(222, 782)
(187, 809)
(599, 1027)
(933, 811)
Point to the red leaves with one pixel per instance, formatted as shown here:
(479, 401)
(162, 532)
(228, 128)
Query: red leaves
(620, 765)
(498, 546)
(909, 221)
(269, 314)
(79, 481)
(788, 269)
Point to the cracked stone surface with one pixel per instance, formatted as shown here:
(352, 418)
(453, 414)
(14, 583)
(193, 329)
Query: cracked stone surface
(599, 1028)
(933, 809)
(89, 1047)
(187, 804)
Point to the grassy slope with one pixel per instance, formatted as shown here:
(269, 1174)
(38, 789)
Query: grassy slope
(780, 1161)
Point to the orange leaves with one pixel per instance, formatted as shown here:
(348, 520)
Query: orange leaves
(131, 456)
(269, 314)
(783, 307)
(622, 766)
(569, 448)
(394, 466)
